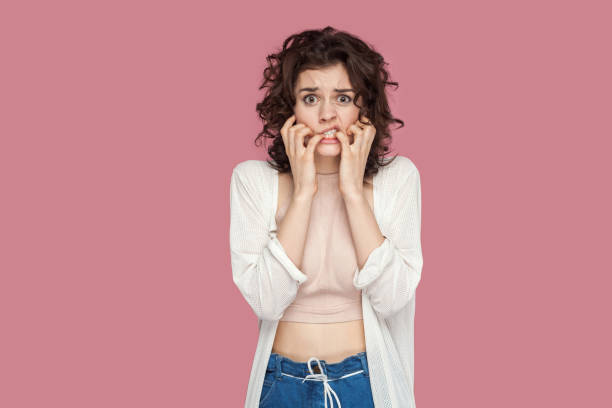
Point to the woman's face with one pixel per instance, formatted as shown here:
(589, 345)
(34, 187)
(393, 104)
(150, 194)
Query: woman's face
(327, 101)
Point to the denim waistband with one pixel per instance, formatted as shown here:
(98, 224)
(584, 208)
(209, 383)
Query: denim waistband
(351, 364)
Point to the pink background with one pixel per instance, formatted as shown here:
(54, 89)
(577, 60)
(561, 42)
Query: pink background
(120, 123)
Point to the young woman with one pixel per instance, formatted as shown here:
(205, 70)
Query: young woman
(325, 237)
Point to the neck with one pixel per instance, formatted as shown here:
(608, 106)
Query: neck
(327, 164)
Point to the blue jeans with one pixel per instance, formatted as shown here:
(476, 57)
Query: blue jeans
(310, 384)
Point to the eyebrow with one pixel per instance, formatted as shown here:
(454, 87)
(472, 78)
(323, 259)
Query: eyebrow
(316, 88)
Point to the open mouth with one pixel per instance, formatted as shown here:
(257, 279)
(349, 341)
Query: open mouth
(330, 134)
(328, 137)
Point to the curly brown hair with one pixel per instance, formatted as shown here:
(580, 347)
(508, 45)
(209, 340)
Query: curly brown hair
(318, 49)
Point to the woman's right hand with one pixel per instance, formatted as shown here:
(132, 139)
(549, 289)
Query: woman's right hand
(301, 157)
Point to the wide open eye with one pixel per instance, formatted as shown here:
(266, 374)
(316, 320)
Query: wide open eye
(305, 99)
(347, 99)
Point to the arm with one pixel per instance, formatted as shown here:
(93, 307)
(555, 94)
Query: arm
(263, 272)
(293, 228)
(392, 269)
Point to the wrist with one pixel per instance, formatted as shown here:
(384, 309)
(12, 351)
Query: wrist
(303, 196)
(354, 197)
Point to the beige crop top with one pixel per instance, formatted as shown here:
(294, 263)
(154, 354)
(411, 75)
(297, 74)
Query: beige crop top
(329, 261)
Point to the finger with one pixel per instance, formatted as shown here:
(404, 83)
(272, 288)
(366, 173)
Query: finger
(288, 123)
(286, 127)
(366, 120)
(343, 138)
(300, 134)
(291, 137)
(369, 134)
(356, 131)
(312, 143)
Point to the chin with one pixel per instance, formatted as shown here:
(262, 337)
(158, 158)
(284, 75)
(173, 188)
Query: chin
(329, 154)
(327, 148)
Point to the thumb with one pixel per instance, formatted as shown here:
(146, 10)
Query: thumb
(343, 138)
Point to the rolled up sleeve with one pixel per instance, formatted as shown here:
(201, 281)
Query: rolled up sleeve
(392, 271)
(261, 269)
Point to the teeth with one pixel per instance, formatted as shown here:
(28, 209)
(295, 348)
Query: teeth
(330, 132)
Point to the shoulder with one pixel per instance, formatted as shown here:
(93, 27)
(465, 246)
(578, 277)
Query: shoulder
(254, 174)
(400, 167)
(247, 167)
(253, 169)
(397, 179)
(399, 185)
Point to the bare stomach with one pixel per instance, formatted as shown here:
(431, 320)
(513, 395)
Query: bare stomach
(332, 342)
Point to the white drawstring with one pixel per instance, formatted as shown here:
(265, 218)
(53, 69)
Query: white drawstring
(326, 387)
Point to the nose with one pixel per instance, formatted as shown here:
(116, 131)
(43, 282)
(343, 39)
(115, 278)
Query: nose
(327, 112)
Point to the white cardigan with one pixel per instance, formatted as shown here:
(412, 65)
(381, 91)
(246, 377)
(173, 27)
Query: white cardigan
(269, 281)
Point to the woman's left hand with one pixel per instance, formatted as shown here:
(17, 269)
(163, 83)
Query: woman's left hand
(354, 156)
